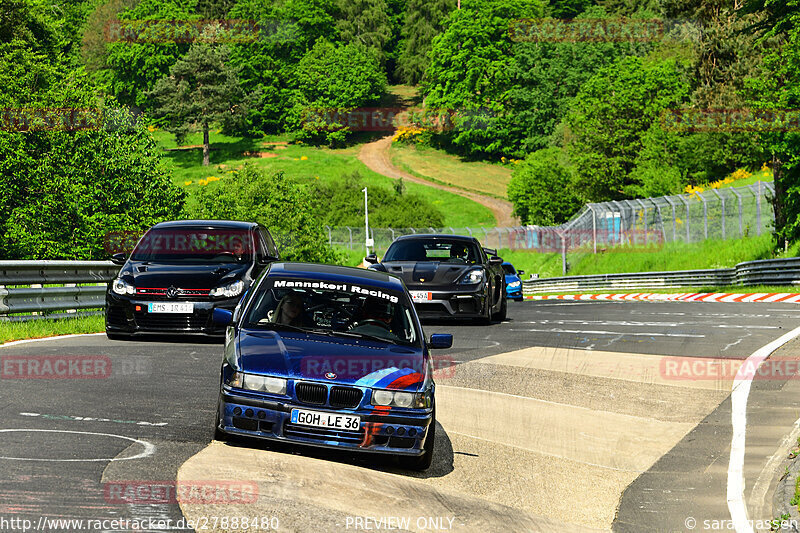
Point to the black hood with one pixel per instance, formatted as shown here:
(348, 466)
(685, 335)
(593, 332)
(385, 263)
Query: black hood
(427, 273)
(183, 276)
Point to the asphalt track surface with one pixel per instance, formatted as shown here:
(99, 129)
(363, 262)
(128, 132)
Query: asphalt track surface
(561, 418)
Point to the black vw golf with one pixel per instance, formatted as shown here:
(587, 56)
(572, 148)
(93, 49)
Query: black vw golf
(180, 271)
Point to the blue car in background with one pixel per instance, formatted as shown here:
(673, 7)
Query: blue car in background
(513, 281)
(332, 357)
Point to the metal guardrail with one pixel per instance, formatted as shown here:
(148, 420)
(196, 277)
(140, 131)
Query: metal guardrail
(763, 272)
(37, 289)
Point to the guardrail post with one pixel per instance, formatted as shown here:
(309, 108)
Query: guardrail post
(330, 236)
(390, 229)
(594, 227)
(351, 236)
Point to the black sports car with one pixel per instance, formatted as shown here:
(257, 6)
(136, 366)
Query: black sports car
(180, 271)
(448, 276)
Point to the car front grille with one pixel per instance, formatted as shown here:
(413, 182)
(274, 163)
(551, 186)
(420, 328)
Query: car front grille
(311, 393)
(345, 397)
(159, 293)
(170, 321)
(323, 434)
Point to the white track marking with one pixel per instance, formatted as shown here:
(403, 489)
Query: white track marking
(149, 449)
(739, 393)
(640, 334)
(25, 341)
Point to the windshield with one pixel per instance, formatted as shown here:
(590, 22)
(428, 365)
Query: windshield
(195, 245)
(433, 250)
(508, 269)
(334, 308)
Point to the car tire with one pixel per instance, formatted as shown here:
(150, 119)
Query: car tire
(486, 317)
(218, 433)
(117, 336)
(503, 313)
(423, 462)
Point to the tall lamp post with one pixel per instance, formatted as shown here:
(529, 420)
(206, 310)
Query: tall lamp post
(367, 241)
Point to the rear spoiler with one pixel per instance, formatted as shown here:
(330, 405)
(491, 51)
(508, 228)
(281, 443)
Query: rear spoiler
(490, 251)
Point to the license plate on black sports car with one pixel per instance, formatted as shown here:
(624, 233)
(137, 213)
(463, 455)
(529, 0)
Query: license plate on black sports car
(325, 420)
(420, 296)
(170, 307)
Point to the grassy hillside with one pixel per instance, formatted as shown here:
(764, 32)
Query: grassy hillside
(440, 167)
(301, 162)
(672, 256)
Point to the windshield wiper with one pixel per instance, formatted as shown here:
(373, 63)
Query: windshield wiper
(358, 334)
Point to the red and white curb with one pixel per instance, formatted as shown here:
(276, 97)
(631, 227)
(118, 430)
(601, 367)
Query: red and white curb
(785, 297)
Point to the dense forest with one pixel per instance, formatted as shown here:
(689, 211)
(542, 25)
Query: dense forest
(554, 84)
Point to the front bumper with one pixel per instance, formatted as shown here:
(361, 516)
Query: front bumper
(515, 293)
(251, 416)
(122, 316)
(451, 301)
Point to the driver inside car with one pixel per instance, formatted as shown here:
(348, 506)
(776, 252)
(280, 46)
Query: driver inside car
(458, 252)
(290, 311)
(375, 318)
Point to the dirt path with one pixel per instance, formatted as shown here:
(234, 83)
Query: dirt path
(376, 156)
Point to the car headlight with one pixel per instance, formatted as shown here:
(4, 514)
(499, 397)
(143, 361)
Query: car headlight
(515, 284)
(228, 291)
(399, 398)
(472, 277)
(122, 287)
(258, 383)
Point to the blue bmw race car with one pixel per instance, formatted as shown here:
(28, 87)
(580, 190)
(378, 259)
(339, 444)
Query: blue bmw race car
(513, 281)
(330, 356)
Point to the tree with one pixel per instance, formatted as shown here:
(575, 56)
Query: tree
(778, 87)
(276, 202)
(608, 118)
(332, 78)
(424, 20)
(341, 203)
(469, 74)
(546, 76)
(62, 189)
(144, 54)
(365, 22)
(201, 90)
(541, 189)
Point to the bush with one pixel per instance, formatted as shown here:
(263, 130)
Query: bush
(541, 189)
(276, 202)
(341, 203)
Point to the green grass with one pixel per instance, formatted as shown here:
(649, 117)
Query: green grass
(761, 175)
(732, 289)
(304, 163)
(36, 329)
(440, 167)
(671, 256)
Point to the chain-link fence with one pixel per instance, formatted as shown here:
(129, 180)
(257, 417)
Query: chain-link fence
(729, 213)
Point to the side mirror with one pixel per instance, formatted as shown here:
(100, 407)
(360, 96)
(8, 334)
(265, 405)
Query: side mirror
(440, 341)
(264, 260)
(494, 260)
(223, 317)
(520, 272)
(118, 259)
(371, 258)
